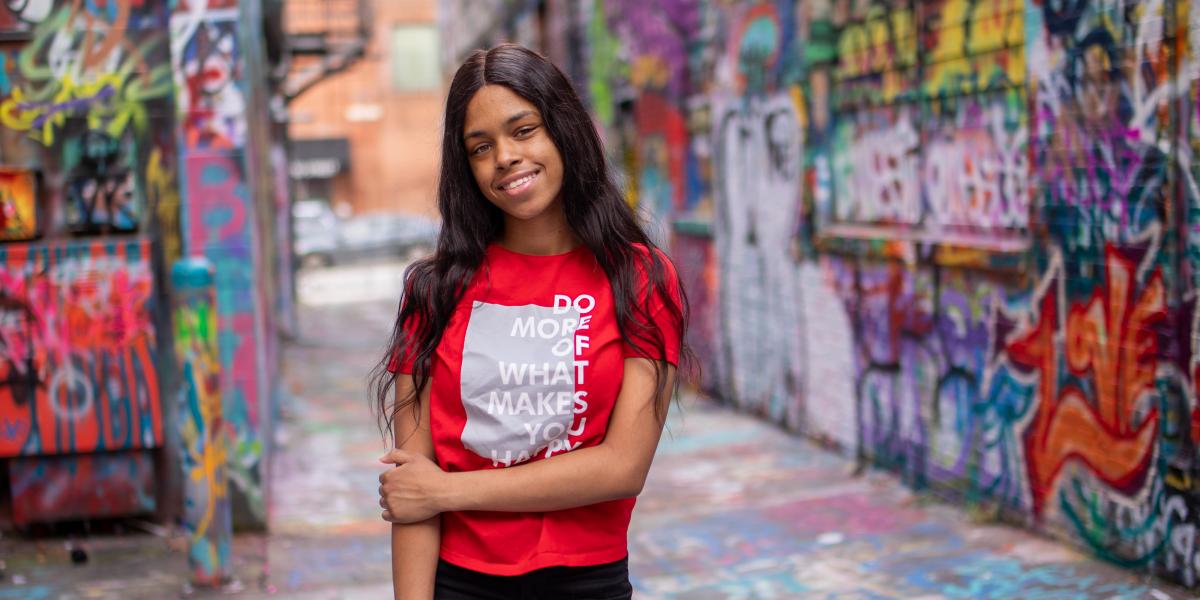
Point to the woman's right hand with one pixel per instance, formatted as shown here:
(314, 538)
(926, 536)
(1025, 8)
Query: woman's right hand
(412, 490)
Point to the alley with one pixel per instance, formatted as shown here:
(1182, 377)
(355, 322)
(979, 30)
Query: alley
(942, 263)
(735, 508)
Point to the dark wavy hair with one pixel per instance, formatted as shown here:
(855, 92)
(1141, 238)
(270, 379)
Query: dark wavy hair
(595, 210)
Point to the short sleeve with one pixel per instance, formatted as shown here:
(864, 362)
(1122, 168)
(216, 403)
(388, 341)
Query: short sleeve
(404, 356)
(664, 324)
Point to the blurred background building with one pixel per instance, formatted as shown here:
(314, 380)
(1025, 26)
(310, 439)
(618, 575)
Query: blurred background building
(367, 139)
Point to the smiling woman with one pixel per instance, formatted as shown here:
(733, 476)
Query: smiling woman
(516, 165)
(545, 326)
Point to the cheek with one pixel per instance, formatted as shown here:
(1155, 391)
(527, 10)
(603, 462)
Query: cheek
(554, 163)
(483, 177)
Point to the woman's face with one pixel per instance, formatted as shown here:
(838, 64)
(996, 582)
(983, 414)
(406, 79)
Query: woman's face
(516, 164)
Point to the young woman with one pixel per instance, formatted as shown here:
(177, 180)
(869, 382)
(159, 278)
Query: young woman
(533, 356)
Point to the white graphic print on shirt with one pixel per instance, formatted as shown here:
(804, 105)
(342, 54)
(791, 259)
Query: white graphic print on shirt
(520, 368)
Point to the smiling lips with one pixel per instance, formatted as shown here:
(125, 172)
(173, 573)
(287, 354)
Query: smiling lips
(513, 186)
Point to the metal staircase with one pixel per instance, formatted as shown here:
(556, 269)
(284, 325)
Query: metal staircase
(321, 37)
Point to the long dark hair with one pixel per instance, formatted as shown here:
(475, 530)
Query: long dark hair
(595, 210)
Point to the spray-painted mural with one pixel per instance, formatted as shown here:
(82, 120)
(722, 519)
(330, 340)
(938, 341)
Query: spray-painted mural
(956, 238)
(18, 204)
(78, 349)
(125, 145)
(207, 517)
(85, 92)
(228, 185)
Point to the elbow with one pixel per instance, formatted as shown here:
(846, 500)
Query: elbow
(626, 473)
(631, 483)
(628, 489)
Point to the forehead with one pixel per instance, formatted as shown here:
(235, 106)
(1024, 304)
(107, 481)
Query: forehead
(493, 105)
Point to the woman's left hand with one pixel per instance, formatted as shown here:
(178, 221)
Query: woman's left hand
(409, 492)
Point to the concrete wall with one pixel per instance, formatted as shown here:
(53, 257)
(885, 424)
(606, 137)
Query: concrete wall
(957, 239)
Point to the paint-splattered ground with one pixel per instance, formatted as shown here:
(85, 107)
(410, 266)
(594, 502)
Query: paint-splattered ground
(733, 509)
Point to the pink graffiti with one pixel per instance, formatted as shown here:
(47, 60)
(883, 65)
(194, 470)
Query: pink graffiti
(216, 202)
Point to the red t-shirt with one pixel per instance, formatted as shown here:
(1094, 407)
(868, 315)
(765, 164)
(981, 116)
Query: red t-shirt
(528, 367)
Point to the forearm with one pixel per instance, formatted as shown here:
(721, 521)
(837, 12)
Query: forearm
(577, 478)
(415, 546)
(414, 558)
(614, 469)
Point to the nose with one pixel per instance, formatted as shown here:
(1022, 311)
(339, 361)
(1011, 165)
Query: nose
(506, 155)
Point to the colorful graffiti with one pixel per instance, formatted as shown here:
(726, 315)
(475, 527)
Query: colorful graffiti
(210, 65)
(77, 349)
(956, 237)
(18, 204)
(203, 431)
(1108, 338)
(100, 64)
(218, 223)
(135, 115)
(51, 488)
(222, 223)
(102, 194)
(85, 93)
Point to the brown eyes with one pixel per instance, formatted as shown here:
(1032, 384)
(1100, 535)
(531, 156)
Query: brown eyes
(520, 134)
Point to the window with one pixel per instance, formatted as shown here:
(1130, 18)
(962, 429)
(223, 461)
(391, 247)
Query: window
(415, 58)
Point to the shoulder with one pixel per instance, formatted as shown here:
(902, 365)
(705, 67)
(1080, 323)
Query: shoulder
(420, 285)
(652, 264)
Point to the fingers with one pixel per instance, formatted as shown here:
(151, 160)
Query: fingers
(395, 456)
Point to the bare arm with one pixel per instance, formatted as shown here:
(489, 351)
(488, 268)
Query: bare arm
(616, 468)
(414, 545)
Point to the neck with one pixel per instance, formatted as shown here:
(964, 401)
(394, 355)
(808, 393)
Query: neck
(543, 235)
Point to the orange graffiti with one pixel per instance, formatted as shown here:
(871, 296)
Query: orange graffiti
(1110, 342)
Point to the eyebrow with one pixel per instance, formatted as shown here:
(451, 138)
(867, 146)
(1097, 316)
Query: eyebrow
(509, 121)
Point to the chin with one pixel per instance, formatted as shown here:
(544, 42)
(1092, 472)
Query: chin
(526, 211)
(525, 215)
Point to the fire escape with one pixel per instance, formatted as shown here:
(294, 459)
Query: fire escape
(321, 38)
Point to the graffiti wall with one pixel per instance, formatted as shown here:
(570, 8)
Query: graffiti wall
(223, 221)
(85, 109)
(126, 142)
(65, 487)
(957, 239)
(78, 349)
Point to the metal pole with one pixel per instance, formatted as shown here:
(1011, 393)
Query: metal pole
(207, 513)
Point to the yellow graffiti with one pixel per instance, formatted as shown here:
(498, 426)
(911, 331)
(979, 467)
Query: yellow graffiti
(101, 76)
(108, 103)
(980, 45)
(796, 94)
(649, 72)
(205, 438)
(210, 460)
(883, 44)
(164, 198)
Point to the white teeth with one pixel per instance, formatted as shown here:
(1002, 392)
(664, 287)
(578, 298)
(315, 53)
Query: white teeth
(519, 182)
